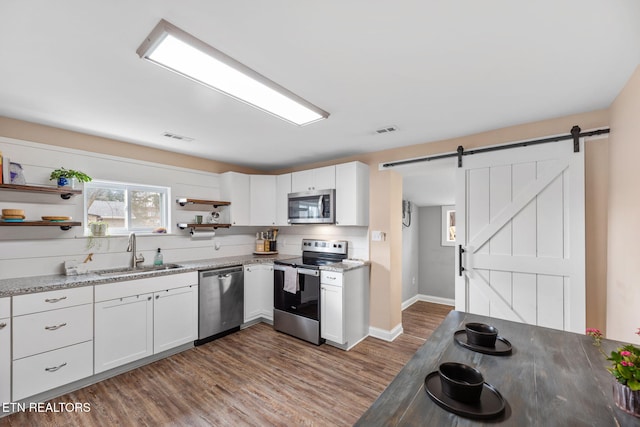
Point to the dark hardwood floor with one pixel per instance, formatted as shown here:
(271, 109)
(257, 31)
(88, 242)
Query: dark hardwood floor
(254, 377)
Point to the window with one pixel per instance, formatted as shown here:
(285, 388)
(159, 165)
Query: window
(126, 207)
(448, 225)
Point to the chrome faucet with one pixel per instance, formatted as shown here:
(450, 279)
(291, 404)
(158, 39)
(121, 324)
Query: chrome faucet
(135, 260)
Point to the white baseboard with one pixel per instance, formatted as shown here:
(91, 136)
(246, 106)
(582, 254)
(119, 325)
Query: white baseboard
(408, 303)
(385, 335)
(428, 298)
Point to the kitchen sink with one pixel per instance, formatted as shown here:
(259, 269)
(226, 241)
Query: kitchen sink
(129, 271)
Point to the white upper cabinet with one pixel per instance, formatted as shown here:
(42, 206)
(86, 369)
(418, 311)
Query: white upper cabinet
(235, 189)
(313, 179)
(263, 200)
(352, 194)
(283, 188)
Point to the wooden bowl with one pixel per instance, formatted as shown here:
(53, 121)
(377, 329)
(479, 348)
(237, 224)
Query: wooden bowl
(13, 212)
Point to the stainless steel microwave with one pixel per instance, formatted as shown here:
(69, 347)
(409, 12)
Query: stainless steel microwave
(312, 207)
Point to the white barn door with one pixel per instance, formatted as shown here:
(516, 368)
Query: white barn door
(520, 221)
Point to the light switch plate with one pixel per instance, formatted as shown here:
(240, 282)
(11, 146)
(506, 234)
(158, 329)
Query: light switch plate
(377, 236)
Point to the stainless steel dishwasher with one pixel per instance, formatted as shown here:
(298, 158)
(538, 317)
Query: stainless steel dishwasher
(220, 302)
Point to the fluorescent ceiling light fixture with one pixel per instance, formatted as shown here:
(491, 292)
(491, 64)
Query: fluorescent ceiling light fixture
(178, 51)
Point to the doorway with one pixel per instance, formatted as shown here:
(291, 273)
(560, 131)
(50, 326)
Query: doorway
(428, 270)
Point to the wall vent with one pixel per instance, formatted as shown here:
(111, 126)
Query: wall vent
(387, 129)
(178, 137)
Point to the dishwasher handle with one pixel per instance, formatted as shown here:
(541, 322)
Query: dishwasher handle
(221, 272)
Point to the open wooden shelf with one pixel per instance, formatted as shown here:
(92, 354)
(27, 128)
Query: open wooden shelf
(65, 193)
(64, 225)
(214, 203)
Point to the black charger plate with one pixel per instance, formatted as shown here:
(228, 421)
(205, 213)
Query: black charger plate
(502, 347)
(491, 404)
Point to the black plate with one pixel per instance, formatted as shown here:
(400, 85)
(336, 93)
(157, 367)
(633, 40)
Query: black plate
(502, 347)
(491, 404)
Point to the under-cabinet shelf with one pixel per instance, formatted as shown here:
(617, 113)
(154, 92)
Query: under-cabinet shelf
(214, 203)
(182, 226)
(64, 225)
(65, 193)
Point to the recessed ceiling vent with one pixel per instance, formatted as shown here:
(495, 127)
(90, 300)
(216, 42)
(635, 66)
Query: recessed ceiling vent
(178, 137)
(387, 129)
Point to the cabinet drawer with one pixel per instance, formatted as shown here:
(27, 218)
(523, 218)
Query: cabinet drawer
(42, 372)
(331, 278)
(147, 285)
(43, 301)
(5, 307)
(40, 332)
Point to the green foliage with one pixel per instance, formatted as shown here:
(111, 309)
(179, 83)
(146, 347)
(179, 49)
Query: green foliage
(625, 365)
(69, 173)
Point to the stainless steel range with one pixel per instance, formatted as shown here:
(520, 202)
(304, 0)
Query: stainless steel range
(297, 288)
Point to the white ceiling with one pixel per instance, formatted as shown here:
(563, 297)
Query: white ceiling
(435, 69)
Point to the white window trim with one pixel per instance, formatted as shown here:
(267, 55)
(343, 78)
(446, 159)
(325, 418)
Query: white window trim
(165, 212)
(446, 224)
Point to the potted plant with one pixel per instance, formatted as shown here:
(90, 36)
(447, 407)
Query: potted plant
(98, 228)
(625, 368)
(66, 177)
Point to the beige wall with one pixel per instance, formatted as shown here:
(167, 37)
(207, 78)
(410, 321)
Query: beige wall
(623, 275)
(26, 131)
(596, 210)
(386, 264)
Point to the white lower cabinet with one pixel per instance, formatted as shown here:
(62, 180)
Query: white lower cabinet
(258, 292)
(5, 350)
(124, 331)
(42, 372)
(139, 318)
(344, 307)
(331, 307)
(40, 332)
(52, 340)
(175, 317)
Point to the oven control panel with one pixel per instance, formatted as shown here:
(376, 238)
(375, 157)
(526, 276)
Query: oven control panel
(326, 246)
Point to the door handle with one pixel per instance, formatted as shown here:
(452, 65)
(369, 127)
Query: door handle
(460, 267)
(320, 206)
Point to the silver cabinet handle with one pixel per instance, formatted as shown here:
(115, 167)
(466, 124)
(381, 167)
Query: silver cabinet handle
(332, 277)
(3, 325)
(55, 368)
(54, 328)
(53, 300)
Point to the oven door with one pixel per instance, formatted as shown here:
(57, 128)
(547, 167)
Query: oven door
(306, 301)
(312, 207)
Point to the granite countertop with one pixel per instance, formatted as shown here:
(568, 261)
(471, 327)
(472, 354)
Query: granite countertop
(27, 285)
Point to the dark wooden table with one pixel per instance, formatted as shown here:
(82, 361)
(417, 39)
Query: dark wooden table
(552, 378)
